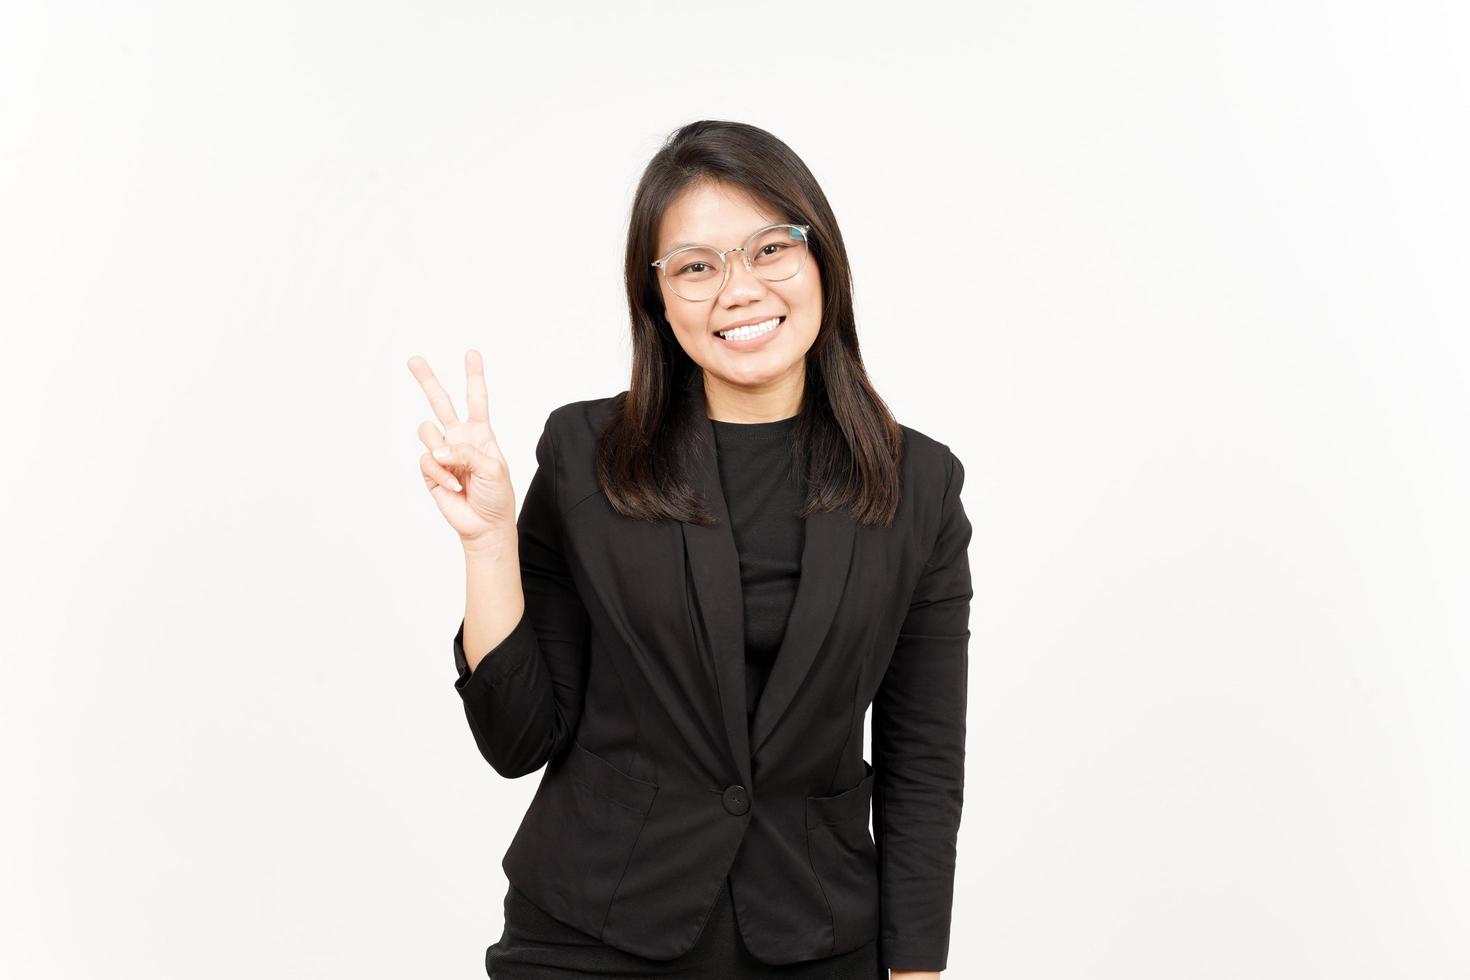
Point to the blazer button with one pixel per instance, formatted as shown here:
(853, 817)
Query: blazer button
(735, 799)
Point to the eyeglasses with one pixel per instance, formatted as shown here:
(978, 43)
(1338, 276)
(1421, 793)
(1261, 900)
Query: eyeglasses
(699, 272)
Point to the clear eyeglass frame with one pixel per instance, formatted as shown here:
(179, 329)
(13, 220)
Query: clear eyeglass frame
(663, 264)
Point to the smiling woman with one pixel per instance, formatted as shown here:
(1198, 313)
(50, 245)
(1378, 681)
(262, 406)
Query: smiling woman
(730, 229)
(747, 315)
(713, 576)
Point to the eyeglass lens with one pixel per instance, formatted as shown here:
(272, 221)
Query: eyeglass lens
(775, 254)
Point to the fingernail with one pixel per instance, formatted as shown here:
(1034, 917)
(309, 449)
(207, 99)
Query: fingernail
(455, 485)
(442, 452)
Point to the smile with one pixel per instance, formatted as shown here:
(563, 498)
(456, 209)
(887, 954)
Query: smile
(744, 334)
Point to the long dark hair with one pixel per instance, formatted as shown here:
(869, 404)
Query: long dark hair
(845, 436)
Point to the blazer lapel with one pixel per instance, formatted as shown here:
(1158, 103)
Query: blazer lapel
(714, 565)
(826, 554)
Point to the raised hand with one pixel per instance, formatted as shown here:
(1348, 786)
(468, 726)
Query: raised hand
(471, 483)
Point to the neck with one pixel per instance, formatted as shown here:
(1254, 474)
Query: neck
(771, 402)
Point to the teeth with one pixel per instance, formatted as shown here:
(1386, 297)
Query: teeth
(754, 330)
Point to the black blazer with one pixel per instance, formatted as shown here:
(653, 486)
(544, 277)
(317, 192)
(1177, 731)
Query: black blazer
(625, 678)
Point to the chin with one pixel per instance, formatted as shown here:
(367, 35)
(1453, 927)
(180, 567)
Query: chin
(753, 375)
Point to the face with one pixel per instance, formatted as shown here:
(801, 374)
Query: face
(723, 216)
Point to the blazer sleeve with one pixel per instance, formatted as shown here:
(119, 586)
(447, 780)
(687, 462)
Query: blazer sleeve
(919, 750)
(524, 699)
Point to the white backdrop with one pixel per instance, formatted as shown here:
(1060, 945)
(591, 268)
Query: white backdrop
(1192, 312)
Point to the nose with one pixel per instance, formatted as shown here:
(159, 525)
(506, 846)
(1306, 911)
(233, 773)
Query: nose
(742, 281)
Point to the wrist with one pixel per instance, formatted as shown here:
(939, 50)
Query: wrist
(491, 548)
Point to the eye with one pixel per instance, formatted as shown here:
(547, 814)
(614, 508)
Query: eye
(692, 265)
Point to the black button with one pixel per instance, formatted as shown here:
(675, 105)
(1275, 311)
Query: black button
(735, 799)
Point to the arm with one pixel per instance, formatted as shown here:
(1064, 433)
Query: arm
(523, 698)
(919, 752)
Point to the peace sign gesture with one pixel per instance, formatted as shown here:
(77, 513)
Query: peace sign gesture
(470, 481)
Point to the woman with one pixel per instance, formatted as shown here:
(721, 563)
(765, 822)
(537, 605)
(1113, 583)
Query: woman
(713, 575)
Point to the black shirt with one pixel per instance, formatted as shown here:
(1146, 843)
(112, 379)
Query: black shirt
(764, 491)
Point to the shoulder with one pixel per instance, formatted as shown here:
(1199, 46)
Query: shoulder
(571, 429)
(569, 443)
(584, 418)
(928, 460)
(932, 479)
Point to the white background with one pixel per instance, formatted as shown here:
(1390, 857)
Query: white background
(1190, 304)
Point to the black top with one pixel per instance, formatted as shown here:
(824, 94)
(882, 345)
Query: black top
(764, 491)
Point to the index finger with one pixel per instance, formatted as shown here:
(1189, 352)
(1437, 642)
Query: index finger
(438, 397)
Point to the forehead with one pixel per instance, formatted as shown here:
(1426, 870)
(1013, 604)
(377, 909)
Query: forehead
(712, 214)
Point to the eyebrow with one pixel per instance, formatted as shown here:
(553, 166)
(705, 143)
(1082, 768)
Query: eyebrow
(752, 231)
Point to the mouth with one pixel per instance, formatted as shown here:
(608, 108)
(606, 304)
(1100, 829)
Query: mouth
(753, 336)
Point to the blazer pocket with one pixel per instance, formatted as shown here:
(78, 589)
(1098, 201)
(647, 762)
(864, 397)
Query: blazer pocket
(845, 860)
(577, 836)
